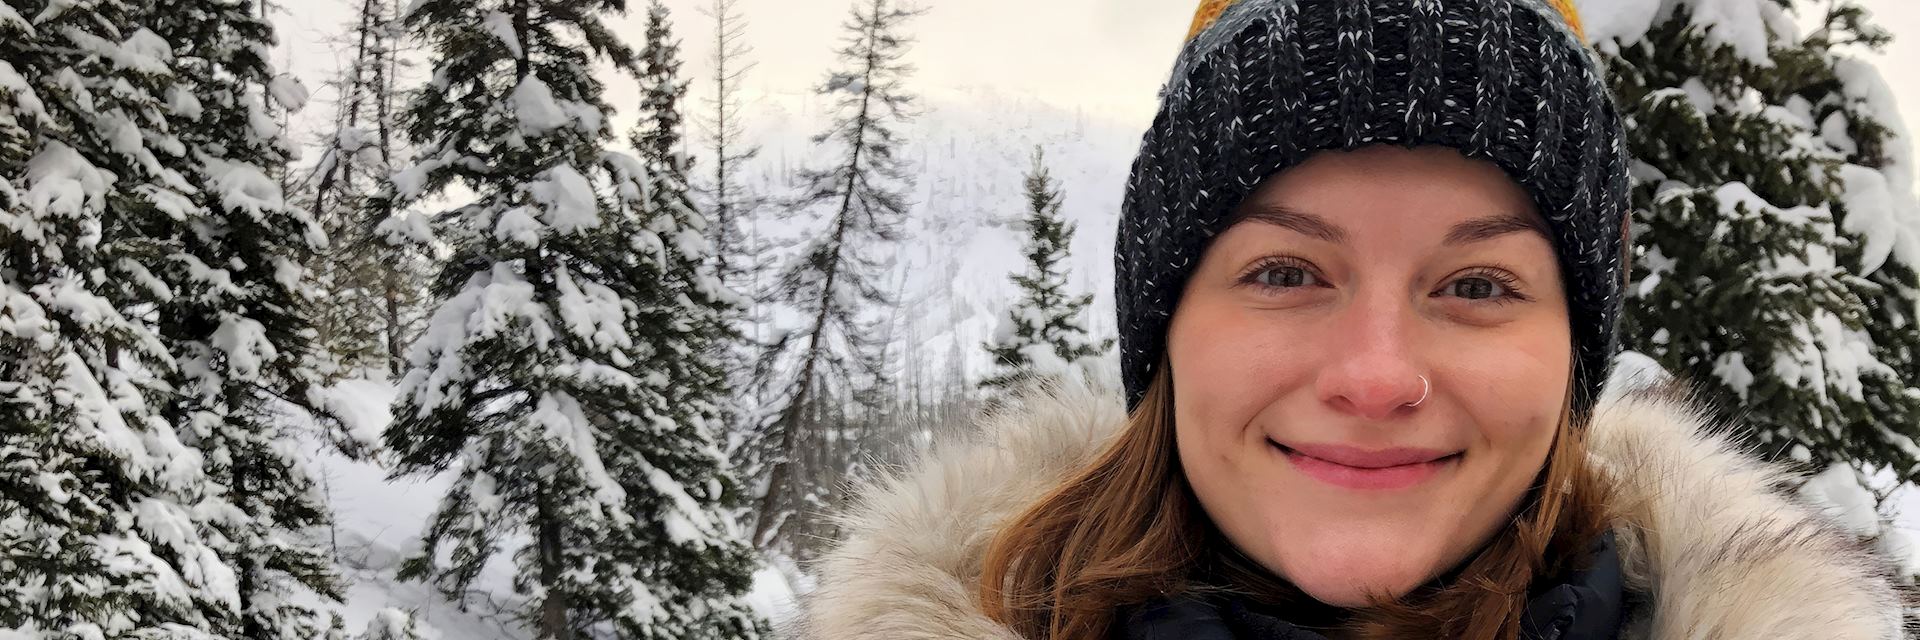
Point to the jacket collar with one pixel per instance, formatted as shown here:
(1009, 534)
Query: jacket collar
(1709, 544)
(1583, 605)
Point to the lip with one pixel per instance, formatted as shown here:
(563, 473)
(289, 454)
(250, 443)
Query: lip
(1355, 468)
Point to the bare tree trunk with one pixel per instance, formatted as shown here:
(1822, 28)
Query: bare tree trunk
(553, 606)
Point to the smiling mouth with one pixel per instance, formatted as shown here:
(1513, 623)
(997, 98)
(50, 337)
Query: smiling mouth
(1389, 477)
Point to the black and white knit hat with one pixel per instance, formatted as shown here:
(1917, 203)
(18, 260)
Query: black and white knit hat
(1260, 85)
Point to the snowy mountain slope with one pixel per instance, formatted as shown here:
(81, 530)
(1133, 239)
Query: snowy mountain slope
(970, 148)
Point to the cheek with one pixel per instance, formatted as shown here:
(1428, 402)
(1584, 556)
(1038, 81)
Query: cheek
(1515, 403)
(1230, 362)
(1514, 387)
(1231, 369)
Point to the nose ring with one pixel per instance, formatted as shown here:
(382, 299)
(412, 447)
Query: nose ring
(1427, 387)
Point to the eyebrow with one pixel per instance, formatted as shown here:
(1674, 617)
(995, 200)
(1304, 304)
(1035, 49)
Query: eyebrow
(1475, 230)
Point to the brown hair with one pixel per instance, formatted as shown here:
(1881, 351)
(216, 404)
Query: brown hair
(1127, 528)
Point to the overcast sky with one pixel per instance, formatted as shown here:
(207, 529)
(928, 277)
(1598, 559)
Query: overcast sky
(1106, 56)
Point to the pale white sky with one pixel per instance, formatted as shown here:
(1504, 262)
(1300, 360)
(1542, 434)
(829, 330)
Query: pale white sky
(1107, 57)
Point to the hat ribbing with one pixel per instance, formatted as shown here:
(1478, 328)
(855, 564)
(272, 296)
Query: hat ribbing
(1260, 85)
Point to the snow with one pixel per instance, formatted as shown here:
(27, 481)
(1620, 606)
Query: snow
(1633, 370)
(1828, 356)
(128, 555)
(11, 19)
(171, 526)
(517, 226)
(500, 25)
(492, 302)
(364, 408)
(183, 103)
(288, 92)
(1741, 25)
(244, 187)
(262, 124)
(24, 97)
(377, 523)
(1833, 131)
(78, 388)
(1870, 215)
(287, 273)
(772, 596)
(54, 9)
(146, 52)
(220, 280)
(1621, 23)
(1842, 497)
(408, 183)
(568, 200)
(125, 138)
(391, 624)
(71, 297)
(1863, 83)
(560, 416)
(401, 228)
(1698, 95)
(686, 522)
(534, 106)
(142, 52)
(592, 312)
(61, 183)
(244, 341)
(1731, 368)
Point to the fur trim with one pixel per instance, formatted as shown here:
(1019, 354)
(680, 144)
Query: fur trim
(1708, 533)
(1711, 544)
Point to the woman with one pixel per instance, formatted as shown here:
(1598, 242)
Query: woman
(1368, 271)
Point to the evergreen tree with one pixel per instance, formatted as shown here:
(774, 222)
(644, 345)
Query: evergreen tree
(686, 321)
(826, 375)
(1775, 231)
(235, 321)
(723, 191)
(1041, 335)
(100, 505)
(546, 378)
(733, 208)
(370, 302)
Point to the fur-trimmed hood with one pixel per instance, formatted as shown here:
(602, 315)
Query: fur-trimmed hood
(1709, 539)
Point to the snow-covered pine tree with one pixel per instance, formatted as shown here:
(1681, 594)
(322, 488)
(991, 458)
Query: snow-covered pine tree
(235, 323)
(536, 380)
(371, 302)
(1775, 231)
(687, 324)
(98, 497)
(1042, 335)
(825, 375)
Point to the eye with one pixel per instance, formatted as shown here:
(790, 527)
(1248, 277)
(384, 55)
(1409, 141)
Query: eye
(1280, 273)
(1486, 285)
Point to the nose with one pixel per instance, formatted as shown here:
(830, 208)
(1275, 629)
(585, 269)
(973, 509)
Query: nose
(1378, 374)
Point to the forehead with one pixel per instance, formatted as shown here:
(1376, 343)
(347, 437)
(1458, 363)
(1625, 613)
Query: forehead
(1435, 191)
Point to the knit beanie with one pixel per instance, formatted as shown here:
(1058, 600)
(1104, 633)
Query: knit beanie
(1260, 85)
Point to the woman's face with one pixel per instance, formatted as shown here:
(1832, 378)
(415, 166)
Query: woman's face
(1303, 335)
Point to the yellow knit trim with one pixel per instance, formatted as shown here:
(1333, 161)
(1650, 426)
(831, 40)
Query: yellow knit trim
(1572, 15)
(1210, 11)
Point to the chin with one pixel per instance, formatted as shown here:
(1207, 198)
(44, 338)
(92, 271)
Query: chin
(1342, 569)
